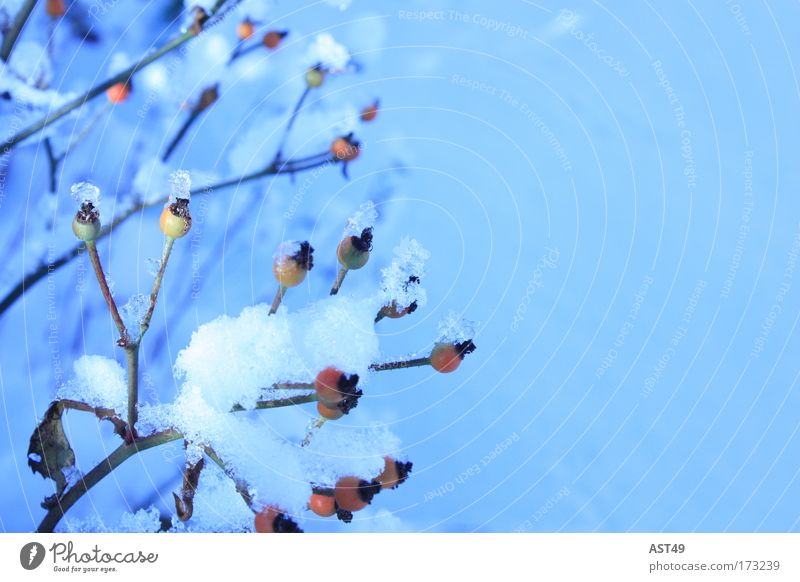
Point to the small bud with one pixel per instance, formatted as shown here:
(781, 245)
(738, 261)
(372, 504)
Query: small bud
(345, 148)
(353, 251)
(245, 29)
(447, 357)
(207, 98)
(292, 262)
(273, 38)
(315, 76)
(86, 224)
(370, 112)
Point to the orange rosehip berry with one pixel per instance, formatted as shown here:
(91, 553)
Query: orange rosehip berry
(118, 92)
(353, 251)
(273, 520)
(370, 112)
(345, 148)
(245, 29)
(335, 389)
(354, 494)
(329, 412)
(55, 8)
(394, 473)
(322, 505)
(446, 357)
(290, 269)
(176, 220)
(273, 38)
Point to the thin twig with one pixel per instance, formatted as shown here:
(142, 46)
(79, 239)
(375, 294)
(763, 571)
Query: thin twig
(399, 365)
(45, 269)
(241, 486)
(124, 339)
(295, 111)
(168, 243)
(126, 451)
(122, 77)
(339, 280)
(100, 412)
(193, 115)
(276, 303)
(51, 157)
(10, 37)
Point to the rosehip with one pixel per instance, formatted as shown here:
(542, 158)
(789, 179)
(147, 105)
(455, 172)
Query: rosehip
(273, 38)
(354, 494)
(273, 520)
(369, 112)
(118, 92)
(328, 412)
(55, 8)
(345, 148)
(322, 505)
(393, 312)
(245, 29)
(315, 76)
(333, 387)
(353, 251)
(175, 219)
(446, 357)
(394, 473)
(86, 224)
(290, 270)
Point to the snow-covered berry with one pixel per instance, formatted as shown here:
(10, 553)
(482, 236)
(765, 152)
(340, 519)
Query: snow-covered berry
(86, 224)
(273, 520)
(176, 220)
(446, 357)
(292, 262)
(394, 473)
(353, 251)
(354, 494)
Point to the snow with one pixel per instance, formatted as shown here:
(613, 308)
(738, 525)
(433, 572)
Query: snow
(85, 192)
(330, 54)
(181, 185)
(364, 217)
(99, 382)
(231, 360)
(118, 62)
(142, 521)
(401, 280)
(134, 310)
(455, 329)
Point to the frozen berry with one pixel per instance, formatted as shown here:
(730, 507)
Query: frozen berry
(329, 412)
(175, 219)
(86, 224)
(345, 148)
(290, 269)
(353, 251)
(273, 520)
(333, 386)
(369, 112)
(273, 38)
(315, 76)
(394, 473)
(322, 505)
(446, 357)
(354, 494)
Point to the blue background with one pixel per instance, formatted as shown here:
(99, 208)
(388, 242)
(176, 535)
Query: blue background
(548, 185)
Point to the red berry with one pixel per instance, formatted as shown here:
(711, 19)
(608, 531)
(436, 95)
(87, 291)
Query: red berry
(245, 29)
(354, 494)
(55, 8)
(394, 473)
(446, 357)
(273, 520)
(273, 38)
(335, 389)
(322, 505)
(329, 412)
(345, 148)
(118, 92)
(370, 112)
